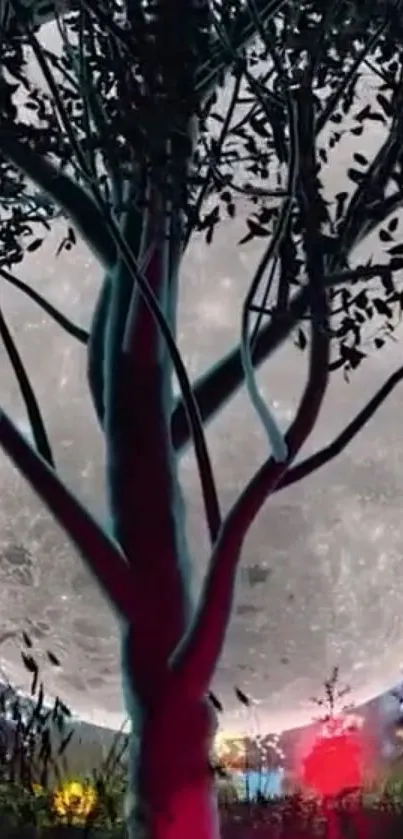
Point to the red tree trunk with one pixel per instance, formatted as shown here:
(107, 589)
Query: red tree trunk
(172, 790)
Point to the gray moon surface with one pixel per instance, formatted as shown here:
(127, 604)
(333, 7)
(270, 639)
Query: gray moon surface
(320, 582)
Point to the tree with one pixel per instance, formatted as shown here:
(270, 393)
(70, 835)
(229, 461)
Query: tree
(121, 145)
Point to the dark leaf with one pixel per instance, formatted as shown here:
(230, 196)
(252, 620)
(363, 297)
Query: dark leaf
(385, 236)
(392, 226)
(65, 742)
(53, 658)
(363, 114)
(63, 708)
(29, 662)
(358, 130)
(33, 246)
(382, 308)
(255, 229)
(301, 339)
(242, 697)
(351, 355)
(361, 300)
(396, 263)
(355, 176)
(360, 158)
(260, 126)
(26, 639)
(387, 279)
(376, 117)
(215, 702)
(397, 250)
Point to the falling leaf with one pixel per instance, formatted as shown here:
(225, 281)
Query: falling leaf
(29, 663)
(26, 639)
(33, 246)
(242, 697)
(215, 702)
(53, 658)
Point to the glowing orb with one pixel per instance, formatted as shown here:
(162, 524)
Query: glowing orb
(335, 762)
(230, 750)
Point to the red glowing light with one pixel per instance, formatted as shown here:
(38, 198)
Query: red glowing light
(334, 763)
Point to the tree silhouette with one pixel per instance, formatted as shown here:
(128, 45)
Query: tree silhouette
(122, 145)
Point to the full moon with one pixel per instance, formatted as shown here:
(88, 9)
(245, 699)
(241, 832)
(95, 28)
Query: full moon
(320, 581)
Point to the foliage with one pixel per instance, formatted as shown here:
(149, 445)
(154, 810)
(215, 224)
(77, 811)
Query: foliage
(364, 314)
(255, 143)
(241, 156)
(23, 804)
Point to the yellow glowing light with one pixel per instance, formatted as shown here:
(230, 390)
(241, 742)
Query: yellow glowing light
(74, 801)
(229, 749)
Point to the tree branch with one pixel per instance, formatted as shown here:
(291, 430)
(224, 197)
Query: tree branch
(315, 461)
(61, 189)
(28, 394)
(98, 551)
(218, 384)
(96, 348)
(271, 254)
(195, 659)
(71, 328)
